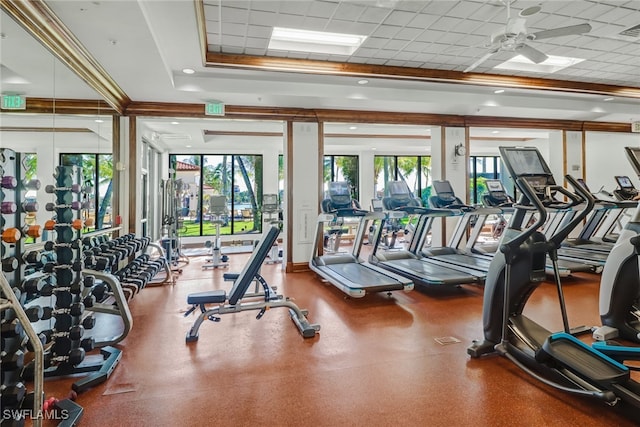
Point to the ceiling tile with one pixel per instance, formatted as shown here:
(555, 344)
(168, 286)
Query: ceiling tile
(266, 6)
(234, 29)
(386, 31)
(396, 45)
(422, 21)
(252, 42)
(411, 5)
(287, 21)
(259, 31)
(294, 7)
(374, 15)
(314, 24)
(398, 17)
(408, 33)
(445, 23)
(416, 46)
(350, 11)
(438, 8)
(375, 42)
(263, 18)
(231, 14)
(255, 52)
(322, 9)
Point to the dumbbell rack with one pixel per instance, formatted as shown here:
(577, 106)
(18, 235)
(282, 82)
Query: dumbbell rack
(69, 342)
(20, 284)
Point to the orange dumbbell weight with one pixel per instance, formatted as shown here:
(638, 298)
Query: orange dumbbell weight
(51, 224)
(11, 235)
(33, 231)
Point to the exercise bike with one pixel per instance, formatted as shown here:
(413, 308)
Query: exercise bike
(218, 212)
(559, 360)
(272, 215)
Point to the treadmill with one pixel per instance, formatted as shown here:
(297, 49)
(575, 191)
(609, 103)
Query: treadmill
(344, 270)
(406, 262)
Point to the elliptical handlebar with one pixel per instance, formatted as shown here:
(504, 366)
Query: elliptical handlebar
(585, 196)
(530, 193)
(575, 199)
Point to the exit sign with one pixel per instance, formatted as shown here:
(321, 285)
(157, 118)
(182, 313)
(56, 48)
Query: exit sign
(214, 109)
(14, 102)
(635, 127)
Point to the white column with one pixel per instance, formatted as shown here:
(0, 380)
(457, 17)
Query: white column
(304, 186)
(366, 178)
(556, 155)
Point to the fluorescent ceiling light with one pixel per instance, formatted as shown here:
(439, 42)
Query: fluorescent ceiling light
(363, 82)
(353, 127)
(499, 91)
(314, 41)
(551, 65)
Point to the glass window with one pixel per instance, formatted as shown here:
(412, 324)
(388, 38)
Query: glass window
(342, 168)
(97, 173)
(206, 177)
(415, 171)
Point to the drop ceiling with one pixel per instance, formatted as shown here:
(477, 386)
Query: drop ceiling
(144, 45)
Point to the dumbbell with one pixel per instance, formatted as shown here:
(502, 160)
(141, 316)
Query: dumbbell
(9, 182)
(11, 329)
(74, 188)
(49, 246)
(33, 231)
(75, 288)
(34, 313)
(8, 208)
(32, 184)
(33, 285)
(73, 357)
(12, 360)
(99, 290)
(11, 235)
(51, 224)
(74, 309)
(32, 257)
(75, 205)
(51, 267)
(10, 264)
(30, 206)
(12, 394)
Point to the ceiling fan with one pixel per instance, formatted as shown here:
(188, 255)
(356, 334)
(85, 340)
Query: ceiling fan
(514, 37)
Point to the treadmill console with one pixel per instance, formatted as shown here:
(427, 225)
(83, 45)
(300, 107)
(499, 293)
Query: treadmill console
(496, 194)
(626, 190)
(376, 205)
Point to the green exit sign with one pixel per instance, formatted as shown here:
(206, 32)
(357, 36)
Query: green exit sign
(214, 109)
(14, 102)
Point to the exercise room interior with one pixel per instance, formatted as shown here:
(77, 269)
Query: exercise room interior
(307, 211)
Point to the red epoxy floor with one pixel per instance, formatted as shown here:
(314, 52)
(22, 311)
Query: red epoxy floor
(375, 362)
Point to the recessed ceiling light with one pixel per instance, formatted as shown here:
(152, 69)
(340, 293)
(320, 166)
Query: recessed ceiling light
(314, 41)
(550, 65)
(353, 127)
(499, 91)
(188, 70)
(188, 146)
(175, 123)
(609, 99)
(363, 82)
(495, 131)
(99, 121)
(374, 148)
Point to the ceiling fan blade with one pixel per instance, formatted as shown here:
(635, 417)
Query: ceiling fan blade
(479, 61)
(562, 31)
(532, 54)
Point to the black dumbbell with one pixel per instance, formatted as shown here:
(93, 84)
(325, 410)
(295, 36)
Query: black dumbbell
(11, 361)
(12, 395)
(32, 257)
(74, 357)
(51, 267)
(10, 264)
(34, 313)
(49, 246)
(11, 329)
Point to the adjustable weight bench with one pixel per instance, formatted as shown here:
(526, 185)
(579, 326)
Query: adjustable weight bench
(233, 302)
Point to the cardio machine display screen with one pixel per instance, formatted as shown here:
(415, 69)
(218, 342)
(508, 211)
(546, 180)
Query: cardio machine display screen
(398, 188)
(624, 182)
(494, 186)
(524, 161)
(339, 189)
(442, 187)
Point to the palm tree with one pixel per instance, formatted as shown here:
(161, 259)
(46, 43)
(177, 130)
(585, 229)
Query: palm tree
(253, 165)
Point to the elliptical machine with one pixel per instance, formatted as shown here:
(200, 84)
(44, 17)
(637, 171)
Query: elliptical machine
(272, 215)
(218, 212)
(559, 360)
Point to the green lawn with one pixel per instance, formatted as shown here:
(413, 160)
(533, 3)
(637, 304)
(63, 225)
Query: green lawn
(191, 228)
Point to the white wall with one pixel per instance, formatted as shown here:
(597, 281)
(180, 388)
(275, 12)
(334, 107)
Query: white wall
(605, 158)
